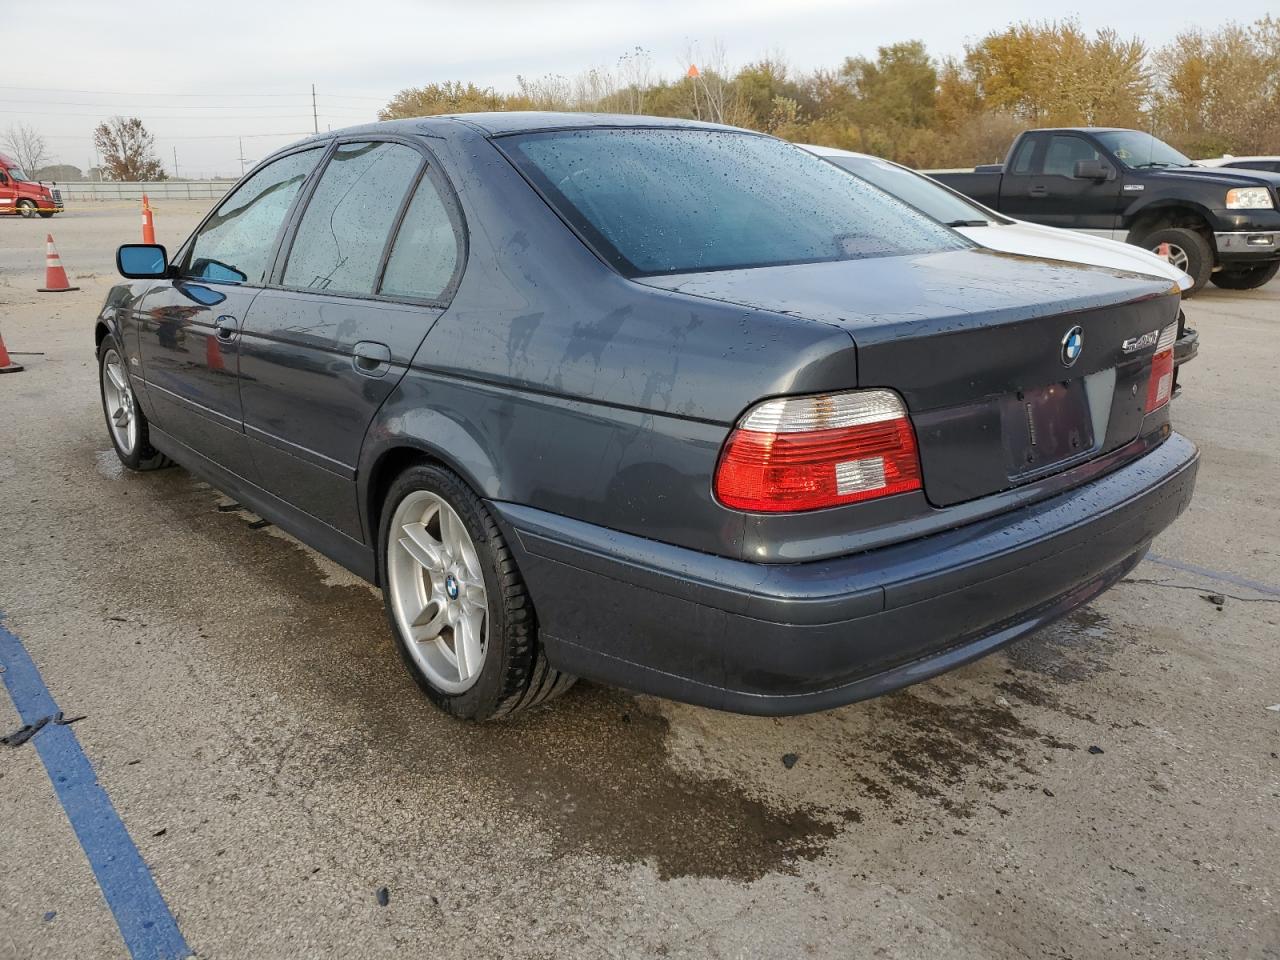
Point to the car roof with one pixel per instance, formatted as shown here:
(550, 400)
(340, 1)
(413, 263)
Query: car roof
(501, 123)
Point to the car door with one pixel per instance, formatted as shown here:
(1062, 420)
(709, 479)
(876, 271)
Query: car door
(189, 328)
(364, 276)
(1018, 176)
(1055, 196)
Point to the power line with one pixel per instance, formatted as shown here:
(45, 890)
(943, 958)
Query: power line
(154, 93)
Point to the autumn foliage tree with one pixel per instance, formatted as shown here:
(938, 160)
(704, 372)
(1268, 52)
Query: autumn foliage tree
(127, 150)
(1205, 93)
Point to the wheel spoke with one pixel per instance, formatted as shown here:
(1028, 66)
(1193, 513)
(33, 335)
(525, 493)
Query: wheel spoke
(117, 378)
(426, 626)
(467, 643)
(474, 594)
(424, 548)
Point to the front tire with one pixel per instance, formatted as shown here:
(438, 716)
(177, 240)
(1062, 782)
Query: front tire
(1189, 251)
(47, 213)
(1246, 278)
(26, 209)
(126, 423)
(462, 618)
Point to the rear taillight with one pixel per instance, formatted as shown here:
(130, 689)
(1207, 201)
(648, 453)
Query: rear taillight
(804, 453)
(1160, 386)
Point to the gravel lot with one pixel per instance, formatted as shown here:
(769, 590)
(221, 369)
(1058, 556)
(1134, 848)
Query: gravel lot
(274, 765)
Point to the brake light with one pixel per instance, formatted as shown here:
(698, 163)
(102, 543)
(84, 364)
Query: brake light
(804, 453)
(1160, 386)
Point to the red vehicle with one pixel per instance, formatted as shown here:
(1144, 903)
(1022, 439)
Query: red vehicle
(21, 195)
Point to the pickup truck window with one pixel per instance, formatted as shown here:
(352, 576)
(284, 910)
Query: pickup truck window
(1022, 157)
(1064, 151)
(1140, 150)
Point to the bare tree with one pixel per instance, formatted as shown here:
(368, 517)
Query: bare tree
(26, 146)
(127, 150)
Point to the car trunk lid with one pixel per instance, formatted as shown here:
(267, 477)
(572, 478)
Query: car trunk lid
(979, 344)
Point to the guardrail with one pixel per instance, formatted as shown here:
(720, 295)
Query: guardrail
(159, 190)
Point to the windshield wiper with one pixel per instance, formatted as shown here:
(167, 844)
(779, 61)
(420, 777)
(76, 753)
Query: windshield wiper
(968, 223)
(1153, 163)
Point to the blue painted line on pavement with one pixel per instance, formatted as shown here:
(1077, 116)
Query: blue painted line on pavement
(147, 926)
(1254, 585)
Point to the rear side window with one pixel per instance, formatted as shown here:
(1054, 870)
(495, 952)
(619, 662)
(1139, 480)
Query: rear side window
(340, 241)
(660, 201)
(235, 244)
(1064, 151)
(425, 254)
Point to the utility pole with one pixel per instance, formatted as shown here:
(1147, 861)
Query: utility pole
(242, 156)
(175, 163)
(315, 117)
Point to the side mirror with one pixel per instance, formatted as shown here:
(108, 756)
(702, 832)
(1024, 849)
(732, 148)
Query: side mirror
(1092, 170)
(142, 261)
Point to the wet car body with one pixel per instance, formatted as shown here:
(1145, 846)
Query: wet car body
(590, 410)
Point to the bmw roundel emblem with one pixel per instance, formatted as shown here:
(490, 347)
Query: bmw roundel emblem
(1072, 346)
(451, 587)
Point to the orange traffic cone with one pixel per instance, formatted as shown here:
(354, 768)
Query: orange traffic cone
(148, 222)
(55, 278)
(6, 364)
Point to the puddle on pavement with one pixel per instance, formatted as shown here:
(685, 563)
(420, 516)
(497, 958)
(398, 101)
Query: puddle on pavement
(591, 769)
(1071, 650)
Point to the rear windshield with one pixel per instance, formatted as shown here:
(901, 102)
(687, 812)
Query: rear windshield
(660, 201)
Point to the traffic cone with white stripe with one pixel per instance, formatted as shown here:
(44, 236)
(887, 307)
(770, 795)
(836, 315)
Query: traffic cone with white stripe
(6, 364)
(55, 278)
(148, 222)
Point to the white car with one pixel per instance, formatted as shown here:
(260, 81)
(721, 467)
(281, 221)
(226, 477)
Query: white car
(1243, 163)
(995, 231)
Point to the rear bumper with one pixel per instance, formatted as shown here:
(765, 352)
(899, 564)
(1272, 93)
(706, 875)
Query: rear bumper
(795, 638)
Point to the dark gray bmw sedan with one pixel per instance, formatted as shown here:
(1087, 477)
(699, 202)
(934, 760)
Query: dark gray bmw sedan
(673, 406)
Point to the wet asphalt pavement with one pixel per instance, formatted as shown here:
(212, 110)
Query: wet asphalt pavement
(1108, 788)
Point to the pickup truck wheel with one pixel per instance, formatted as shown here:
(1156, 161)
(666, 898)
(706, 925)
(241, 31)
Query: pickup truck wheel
(1188, 251)
(1246, 278)
(26, 208)
(463, 621)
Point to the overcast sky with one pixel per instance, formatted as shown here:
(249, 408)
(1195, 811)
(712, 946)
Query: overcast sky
(233, 68)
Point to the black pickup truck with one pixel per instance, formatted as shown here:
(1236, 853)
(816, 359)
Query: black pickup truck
(1219, 224)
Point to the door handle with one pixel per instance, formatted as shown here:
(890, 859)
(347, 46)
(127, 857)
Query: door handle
(371, 359)
(1039, 191)
(226, 328)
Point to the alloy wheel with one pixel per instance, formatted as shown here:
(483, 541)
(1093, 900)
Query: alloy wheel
(1177, 256)
(437, 591)
(117, 397)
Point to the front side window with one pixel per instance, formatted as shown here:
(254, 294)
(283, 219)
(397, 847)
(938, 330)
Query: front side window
(425, 253)
(17, 174)
(235, 244)
(342, 235)
(1064, 151)
(671, 200)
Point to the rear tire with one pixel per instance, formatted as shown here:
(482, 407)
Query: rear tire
(127, 425)
(1246, 278)
(435, 577)
(1188, 250)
